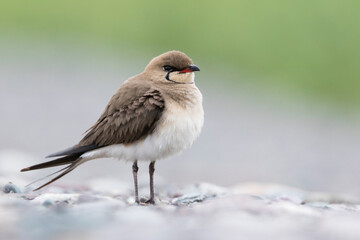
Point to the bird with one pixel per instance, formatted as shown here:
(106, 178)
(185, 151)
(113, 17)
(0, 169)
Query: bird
(153, 115)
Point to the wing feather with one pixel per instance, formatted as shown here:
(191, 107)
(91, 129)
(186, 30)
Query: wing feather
(126, 123)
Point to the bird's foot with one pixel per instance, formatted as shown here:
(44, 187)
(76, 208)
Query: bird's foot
(147, 201)
(150, 201)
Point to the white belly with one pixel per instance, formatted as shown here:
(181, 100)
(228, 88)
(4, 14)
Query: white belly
(177, 129)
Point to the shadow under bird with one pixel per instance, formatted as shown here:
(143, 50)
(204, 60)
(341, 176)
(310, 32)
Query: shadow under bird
(153, 115)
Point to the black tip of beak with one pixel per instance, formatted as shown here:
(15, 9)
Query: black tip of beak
(193, 68)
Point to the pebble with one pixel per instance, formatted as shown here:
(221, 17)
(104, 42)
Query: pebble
(11, 188)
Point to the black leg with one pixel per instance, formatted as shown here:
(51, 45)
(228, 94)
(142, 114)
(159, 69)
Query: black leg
(135, 170)
(151, 172)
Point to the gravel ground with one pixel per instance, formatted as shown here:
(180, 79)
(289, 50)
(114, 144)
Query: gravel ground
(106, 209)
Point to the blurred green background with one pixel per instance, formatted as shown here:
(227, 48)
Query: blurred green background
(306, 47)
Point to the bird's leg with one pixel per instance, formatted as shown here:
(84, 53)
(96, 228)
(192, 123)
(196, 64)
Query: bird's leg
(151, 172)
(135, 169)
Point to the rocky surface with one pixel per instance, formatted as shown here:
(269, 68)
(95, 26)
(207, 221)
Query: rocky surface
(106, 209)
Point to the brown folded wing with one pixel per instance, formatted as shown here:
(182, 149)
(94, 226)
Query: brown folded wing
(131, 114)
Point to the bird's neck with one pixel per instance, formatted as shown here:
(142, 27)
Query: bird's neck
(187, 95)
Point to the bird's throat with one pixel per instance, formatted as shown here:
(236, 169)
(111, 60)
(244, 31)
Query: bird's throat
(183, 78)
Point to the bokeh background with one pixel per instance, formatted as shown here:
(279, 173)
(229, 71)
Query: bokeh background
(280, 80)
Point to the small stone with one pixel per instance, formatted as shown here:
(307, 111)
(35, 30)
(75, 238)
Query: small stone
(190, 198)
(11, 188)
(48, 203)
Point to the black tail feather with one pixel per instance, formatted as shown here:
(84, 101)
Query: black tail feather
(72, 158)
(75, 150)
(65, 170)
(40, 179)
(54, 163)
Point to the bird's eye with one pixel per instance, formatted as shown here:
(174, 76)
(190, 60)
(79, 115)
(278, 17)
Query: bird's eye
(168, 68)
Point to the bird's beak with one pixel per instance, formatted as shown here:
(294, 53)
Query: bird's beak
(191, 68)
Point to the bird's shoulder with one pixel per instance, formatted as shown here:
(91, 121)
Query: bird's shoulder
(129, 93)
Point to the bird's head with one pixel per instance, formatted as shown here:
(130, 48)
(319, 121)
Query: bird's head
(173, 67)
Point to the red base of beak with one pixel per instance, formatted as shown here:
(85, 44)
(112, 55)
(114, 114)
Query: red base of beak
(186, 70)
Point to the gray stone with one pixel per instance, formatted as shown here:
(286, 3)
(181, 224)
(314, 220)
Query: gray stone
(11, 188)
